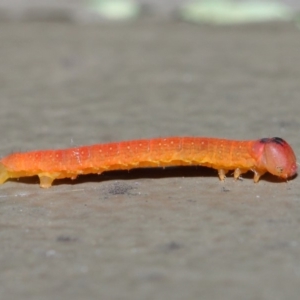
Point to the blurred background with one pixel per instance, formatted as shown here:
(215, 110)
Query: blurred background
(87, 10)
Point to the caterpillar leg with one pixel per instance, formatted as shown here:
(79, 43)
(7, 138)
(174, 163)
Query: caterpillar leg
(238, 172)
(222, 174)
(257, 175)
(45, 180)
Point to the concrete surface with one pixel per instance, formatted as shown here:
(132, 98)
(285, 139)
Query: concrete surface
(148, 234)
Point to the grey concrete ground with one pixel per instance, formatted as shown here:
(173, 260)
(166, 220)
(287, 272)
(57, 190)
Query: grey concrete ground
(149, 234)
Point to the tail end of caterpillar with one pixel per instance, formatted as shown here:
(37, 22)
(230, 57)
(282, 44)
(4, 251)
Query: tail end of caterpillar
(278, 158)
(46, 180)
(3, 174)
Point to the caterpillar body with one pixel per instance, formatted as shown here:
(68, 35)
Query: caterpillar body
(272, 155)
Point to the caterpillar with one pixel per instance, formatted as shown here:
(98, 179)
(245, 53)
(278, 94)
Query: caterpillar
(273, 155)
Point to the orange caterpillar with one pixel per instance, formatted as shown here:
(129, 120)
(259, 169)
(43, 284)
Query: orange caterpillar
(272, 155)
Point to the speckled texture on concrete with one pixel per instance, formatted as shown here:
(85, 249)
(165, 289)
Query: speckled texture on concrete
(148, 234)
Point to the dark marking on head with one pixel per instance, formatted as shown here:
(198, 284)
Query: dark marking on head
(276, 140)
(264, 140)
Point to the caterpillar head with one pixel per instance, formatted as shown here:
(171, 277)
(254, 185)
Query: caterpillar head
(278, 157)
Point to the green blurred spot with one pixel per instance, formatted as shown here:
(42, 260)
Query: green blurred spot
(230, 12)
(115, 9)
(297, 20)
